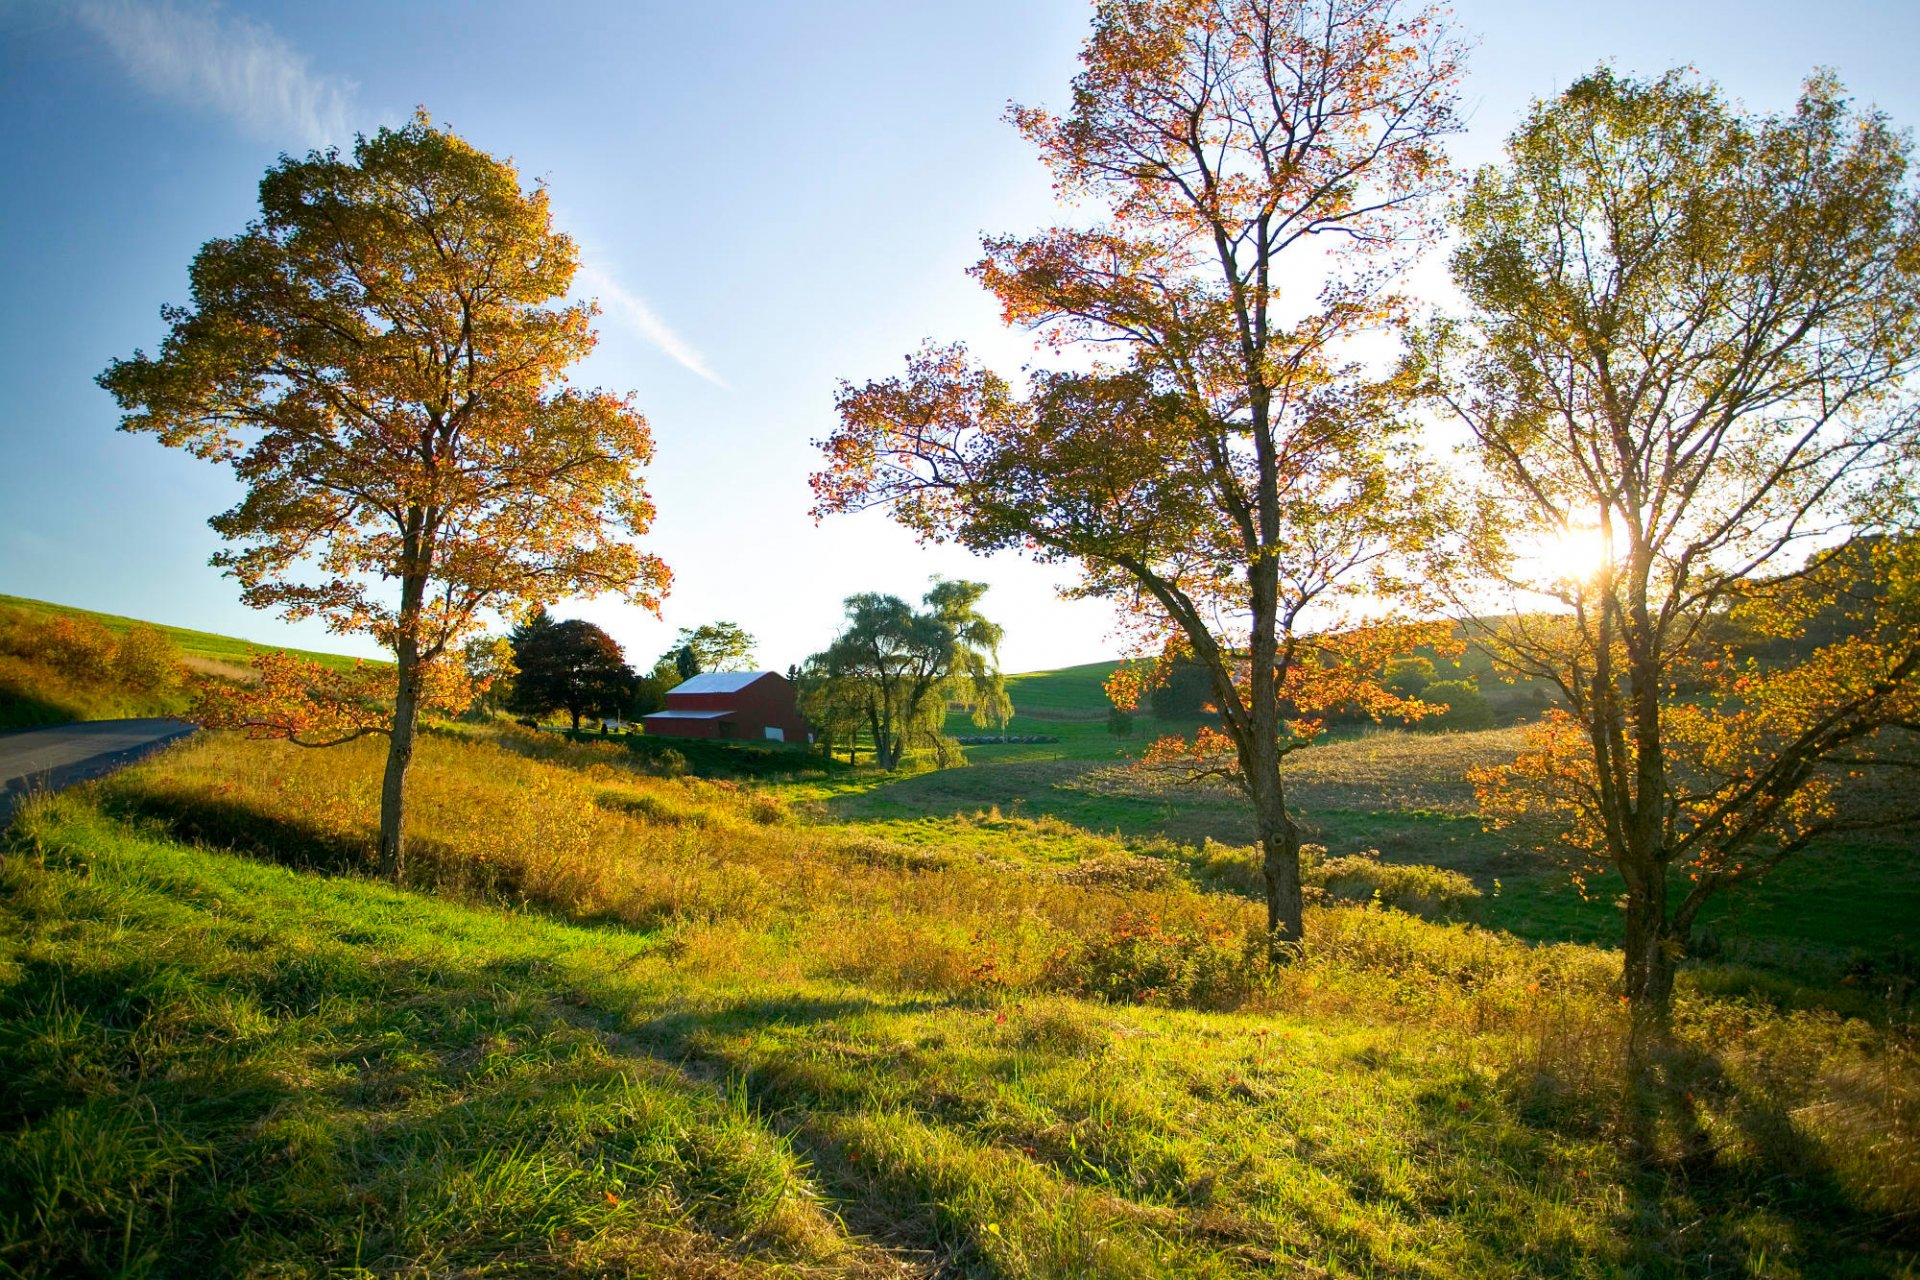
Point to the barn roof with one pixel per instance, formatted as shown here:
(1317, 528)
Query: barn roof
(718, 682)
(684, 715)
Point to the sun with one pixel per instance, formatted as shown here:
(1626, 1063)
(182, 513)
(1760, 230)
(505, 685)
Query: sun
(1574, 552)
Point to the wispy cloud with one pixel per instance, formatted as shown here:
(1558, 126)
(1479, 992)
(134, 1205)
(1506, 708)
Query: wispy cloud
(203, 57)
(617, 301)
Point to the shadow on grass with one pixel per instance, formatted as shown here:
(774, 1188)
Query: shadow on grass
(432, 866)
(237, 828)
(24, 711)
(1719, 1177)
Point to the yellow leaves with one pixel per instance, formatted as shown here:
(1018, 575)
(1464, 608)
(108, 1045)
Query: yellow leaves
(391, 335)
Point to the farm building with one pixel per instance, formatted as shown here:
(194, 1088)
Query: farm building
(747, 705)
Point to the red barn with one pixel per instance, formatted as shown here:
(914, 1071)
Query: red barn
(752, 706)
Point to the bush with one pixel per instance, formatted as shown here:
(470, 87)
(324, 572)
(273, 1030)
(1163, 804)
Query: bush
(1466, 707)
(1408, 677)
(1362, 877)
(78, 648)
(1142, 958)
(146, 660)
(57, 668)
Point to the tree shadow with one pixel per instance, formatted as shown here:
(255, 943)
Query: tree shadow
(1719, 1177)
(225, 824)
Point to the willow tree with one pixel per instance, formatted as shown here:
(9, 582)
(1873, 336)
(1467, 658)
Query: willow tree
(1227, 470)
(1684, 365)
(381, 357)
(893, 670)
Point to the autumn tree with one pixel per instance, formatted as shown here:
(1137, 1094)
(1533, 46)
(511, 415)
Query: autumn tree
(1689, 331)
(1227, 468)
(487, 662)
(570, 666)
(717, 646)
(893, 670)
(381, 358)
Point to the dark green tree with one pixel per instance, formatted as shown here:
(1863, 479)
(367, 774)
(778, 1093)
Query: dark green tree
(571, 666)
(686, 662)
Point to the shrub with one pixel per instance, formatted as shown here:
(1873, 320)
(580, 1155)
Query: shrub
(1466, 707)
(1141, 957)
(146, 660)
(78, 648)
(1423, 890)
(1408, 677)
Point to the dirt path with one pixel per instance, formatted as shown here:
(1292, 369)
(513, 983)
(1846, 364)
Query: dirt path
(63, 754)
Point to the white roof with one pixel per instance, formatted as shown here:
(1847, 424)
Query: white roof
(718, 682)
(684, 715)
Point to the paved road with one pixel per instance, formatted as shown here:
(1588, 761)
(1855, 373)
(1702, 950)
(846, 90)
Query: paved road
(59, 756)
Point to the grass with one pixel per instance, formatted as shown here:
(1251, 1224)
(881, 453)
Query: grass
(999, 1021)
(632, 1024)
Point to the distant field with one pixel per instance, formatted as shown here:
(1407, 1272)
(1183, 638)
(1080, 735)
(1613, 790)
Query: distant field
(1846, 904)
(203, 645)
(1071, 693)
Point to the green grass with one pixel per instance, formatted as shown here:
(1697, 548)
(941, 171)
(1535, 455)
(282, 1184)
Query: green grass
(221, 1067)
(203, 645)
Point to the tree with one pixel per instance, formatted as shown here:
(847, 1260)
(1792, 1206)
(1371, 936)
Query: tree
(1227, 470)
(717, 646)
(834, 706)
(381, 357)
(571, 666)
(1689, 330)
(686, 663)
(1119, 722)
(649, 696)
(893, 671)
(1181, 689)
(489, 668)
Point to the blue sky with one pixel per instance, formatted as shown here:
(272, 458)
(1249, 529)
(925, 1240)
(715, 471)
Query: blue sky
(769, 197)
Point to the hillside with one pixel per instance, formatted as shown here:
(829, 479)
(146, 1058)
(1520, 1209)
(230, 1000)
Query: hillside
(59, 664)
(196, 646)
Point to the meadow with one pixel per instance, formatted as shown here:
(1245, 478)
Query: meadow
(621, 1022)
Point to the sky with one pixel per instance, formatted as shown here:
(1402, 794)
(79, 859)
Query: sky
(769, 197)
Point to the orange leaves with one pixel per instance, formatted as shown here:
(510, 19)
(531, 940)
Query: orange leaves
(383, 360)
(298, 699)
(1293, 116)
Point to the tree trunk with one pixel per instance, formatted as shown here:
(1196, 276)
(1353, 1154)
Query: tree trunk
(1280, 869)
(1653, 949)
(393, 787)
